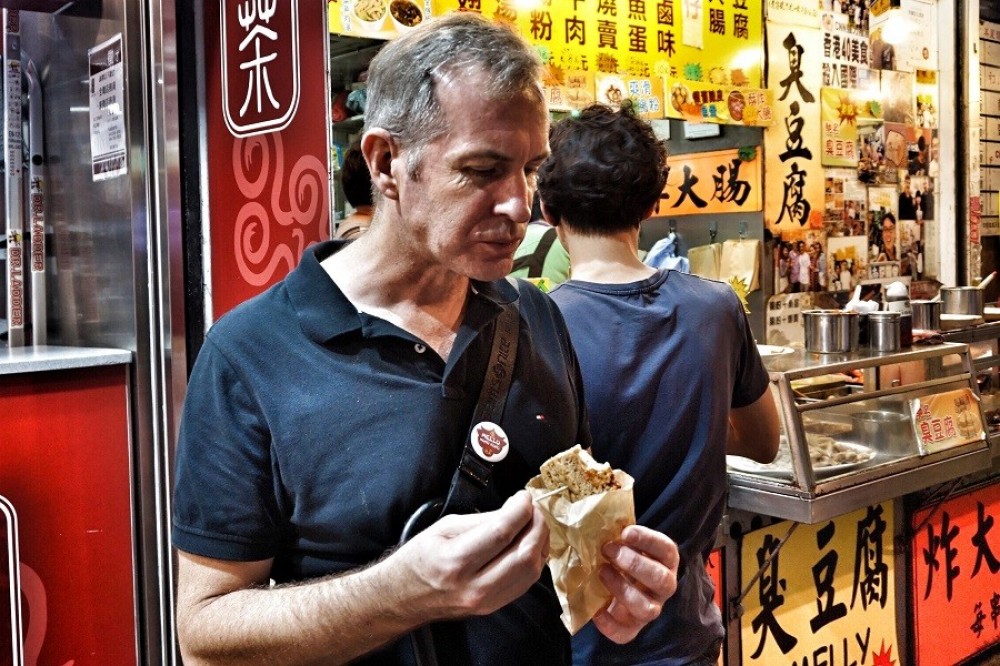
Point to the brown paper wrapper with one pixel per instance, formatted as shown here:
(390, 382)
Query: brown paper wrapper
(577, 531)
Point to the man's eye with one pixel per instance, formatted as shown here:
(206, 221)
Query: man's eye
(481, 172)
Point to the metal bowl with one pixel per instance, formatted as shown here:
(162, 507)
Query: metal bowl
(883, 430)
(884, 331)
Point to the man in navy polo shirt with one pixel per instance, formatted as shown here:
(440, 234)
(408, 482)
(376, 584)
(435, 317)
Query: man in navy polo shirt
(321, 414)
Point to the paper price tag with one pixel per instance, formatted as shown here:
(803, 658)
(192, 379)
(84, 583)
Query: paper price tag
(946, 420)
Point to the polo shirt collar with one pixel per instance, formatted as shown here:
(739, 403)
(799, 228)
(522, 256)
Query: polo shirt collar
(325, 313)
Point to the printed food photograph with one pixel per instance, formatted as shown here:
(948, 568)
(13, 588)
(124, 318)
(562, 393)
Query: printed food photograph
(405, 14)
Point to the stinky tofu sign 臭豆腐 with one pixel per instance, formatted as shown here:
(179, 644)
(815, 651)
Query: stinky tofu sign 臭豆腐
(824, 596)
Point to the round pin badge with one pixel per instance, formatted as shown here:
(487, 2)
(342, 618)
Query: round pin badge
(490, 441)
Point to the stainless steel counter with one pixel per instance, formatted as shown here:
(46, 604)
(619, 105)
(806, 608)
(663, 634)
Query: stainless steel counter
(19, 360)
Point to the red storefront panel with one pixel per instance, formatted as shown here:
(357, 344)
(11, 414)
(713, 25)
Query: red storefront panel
(65, 468)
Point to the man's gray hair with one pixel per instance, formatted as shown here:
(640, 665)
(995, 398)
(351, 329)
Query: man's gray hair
(403, 76)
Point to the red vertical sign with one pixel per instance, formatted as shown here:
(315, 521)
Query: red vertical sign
(956, 577)
(266, 110)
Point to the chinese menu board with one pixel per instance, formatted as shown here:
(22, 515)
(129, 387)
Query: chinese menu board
(956, 590)
(720, 44)
(823, 597)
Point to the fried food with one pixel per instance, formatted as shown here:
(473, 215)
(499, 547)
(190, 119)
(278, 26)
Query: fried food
(577, 471)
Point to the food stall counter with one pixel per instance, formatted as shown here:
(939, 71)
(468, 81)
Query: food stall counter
(863, 427)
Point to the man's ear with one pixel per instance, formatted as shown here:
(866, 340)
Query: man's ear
(380, 150)
(546, 215)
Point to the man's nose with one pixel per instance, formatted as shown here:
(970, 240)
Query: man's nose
(515, 198)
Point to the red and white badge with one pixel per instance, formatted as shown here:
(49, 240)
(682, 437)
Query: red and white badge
(490, 441)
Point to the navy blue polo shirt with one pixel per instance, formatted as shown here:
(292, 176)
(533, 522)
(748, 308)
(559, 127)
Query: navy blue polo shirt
(311, 432)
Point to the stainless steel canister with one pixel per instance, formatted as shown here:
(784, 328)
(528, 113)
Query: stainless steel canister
(831, 331)
(962, 301)
(884, 331)
(926, 315)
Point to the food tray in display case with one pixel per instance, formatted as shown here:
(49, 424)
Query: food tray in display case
(862, 428)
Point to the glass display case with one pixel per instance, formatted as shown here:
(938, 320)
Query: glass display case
(864, 427)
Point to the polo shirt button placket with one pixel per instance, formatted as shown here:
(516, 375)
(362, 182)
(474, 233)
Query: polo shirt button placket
(419, 348)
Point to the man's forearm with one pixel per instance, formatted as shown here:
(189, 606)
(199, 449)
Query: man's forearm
(328, 621)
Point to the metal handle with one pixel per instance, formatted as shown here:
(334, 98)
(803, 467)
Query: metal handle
(422, 518)
(421, 638)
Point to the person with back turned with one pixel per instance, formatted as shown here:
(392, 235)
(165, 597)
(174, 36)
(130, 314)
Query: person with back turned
(325, 414)
(357, 185)
(672, 377)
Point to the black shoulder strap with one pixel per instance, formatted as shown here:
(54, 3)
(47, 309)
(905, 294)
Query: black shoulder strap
(535, 262)
(474, 472)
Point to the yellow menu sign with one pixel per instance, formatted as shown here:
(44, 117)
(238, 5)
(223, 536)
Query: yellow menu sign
(640, 38)
(949, 419)
(720, 45)
(824, 596)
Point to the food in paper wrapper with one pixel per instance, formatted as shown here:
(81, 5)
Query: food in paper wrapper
(579, 472)
(593, 509)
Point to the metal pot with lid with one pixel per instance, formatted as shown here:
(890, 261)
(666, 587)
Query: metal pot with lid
(831, 331)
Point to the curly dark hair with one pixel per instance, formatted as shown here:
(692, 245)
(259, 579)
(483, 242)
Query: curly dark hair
(606, 170)
(355, 177)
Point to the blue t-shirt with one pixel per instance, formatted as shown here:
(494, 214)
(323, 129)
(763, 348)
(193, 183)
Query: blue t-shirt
(663, 362)
(311, 432)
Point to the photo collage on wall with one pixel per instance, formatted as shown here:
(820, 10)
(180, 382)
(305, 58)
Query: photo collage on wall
(878, 107)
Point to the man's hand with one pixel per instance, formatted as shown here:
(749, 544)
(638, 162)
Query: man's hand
(475, 564)
(641, 575)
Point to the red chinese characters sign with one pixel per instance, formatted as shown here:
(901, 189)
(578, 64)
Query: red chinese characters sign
(956, 577)
(266, 113)
(944, 420)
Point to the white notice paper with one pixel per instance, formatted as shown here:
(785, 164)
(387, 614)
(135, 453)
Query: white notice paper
(107, 110)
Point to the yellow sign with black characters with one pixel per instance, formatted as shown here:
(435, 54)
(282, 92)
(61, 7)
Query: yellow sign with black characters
(824, 596)
(721, 181)
(720, 45)
(795, 184)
